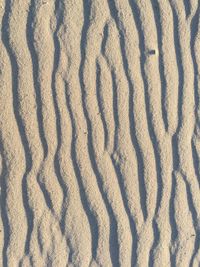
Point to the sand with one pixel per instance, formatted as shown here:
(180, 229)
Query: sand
(100, 133)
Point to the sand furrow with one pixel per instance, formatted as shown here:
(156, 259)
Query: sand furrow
(74, 223)
(186, 114)
(104, 173)
(168, 70)
(187, 108)
(38, 26)
(12, 170)
(88, 184)
(25, 113)
(183, 246)
(195, 38)
(99, 133)
(102, 164)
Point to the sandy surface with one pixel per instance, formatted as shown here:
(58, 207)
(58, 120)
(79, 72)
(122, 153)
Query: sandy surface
(100, 133)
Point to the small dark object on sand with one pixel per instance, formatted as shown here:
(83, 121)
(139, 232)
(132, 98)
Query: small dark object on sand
(152, 52)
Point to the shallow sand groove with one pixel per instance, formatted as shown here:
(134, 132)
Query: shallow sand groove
(100, 133)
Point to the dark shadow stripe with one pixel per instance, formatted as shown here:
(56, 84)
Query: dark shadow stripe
(114, 246)
(180, 69)
(157, 18)
(151, 131)
(35, 66)
(194, 219)
(174, 231)
(84, 199)
(140, 161)
(59, 13)
(100, 105)
(16, 107)
(194, 31)
(3, 201)
(187, 6)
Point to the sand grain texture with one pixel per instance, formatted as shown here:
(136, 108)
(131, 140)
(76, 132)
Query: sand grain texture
(100, 133)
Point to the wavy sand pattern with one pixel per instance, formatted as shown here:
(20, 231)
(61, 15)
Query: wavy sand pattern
(100, 133)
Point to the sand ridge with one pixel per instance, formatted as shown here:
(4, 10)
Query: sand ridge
(99, 133)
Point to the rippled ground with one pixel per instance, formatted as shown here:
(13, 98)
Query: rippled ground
(100, 133)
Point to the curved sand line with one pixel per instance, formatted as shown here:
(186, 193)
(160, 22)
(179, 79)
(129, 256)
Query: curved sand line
(99, 133)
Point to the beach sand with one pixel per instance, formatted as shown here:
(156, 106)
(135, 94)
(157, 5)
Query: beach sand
(100, 133)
